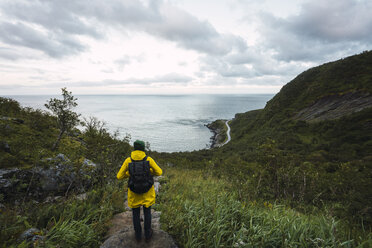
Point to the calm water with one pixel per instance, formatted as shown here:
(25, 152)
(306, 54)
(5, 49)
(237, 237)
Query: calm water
(169, 122)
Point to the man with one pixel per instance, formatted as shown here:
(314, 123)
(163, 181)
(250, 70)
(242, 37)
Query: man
(141, 192)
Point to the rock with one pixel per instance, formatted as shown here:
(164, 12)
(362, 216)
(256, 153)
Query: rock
(158, 178)
(126, 206)
(60, 175)
(16, 120)
(120, 222)
(37, 238)
(19, 121)
(156, 214)
(5, 146)
(89, 163)
(218, 129)
(82, 197)
(170, 164)
(8, 180)
(335, 106)
(126, 239)
(48, 199)
(157, 186)
(62, 158)
(56, 177)
(29, 234)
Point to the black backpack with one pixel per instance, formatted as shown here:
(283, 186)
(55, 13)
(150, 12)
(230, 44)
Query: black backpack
(140, 179)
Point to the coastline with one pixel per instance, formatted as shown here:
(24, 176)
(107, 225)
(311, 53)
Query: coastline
(219, 130)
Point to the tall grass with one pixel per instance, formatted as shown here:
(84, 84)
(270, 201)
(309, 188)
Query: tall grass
(200, 211)
(68, 223)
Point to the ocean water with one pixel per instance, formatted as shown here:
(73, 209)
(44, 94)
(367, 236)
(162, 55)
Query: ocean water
(170, 123)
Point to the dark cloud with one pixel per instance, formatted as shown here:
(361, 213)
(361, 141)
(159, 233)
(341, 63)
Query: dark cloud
(23, 35)
(8, 53)
(55, 16)
(322, 30)
(63, 20)
(334, 21)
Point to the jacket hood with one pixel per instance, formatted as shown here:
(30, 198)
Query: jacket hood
(138, 155)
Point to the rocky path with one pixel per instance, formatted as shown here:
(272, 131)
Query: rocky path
(121, 233)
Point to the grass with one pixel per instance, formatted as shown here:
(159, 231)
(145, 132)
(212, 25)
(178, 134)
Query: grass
(68, 223)
(200, 210)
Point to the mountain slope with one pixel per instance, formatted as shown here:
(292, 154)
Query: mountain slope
(352, 74)
(311, 144)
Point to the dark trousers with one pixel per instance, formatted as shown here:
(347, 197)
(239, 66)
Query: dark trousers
(137, 221)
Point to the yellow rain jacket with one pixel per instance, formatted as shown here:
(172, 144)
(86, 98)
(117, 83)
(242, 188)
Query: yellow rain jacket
(146, 199)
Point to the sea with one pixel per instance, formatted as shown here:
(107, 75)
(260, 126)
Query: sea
(169, 123)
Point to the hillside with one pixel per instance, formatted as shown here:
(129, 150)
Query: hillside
(352, 74)
(297, 173)
(309, 148)
(339, 91)
(314, 138)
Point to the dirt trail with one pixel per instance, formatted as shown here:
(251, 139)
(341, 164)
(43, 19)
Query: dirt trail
(121, 233)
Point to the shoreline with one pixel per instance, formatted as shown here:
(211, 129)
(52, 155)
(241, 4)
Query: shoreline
(219, 130)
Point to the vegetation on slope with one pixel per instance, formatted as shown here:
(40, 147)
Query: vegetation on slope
(201, 210)
(322, 167)
(27, 137)
(326, 164)
(279, 182)
(345, 75)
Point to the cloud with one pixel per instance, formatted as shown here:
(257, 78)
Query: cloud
(8, 53)
(320, 31)
(61, 21)
(334, 21)
(166, 79)
(54, 16)
(23, 35)
(126, 60)
(173, 78)
(189, 32)
(225, 69)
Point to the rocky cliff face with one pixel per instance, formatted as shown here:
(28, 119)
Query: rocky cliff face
(219, 133)
(335, 106)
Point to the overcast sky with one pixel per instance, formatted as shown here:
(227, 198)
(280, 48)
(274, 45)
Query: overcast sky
(173, 46)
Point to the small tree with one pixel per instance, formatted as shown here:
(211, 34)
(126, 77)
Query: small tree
(66, 118)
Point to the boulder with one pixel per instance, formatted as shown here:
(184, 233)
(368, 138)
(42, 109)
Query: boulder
(4, 146)
(31, 234)
(56, 177)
